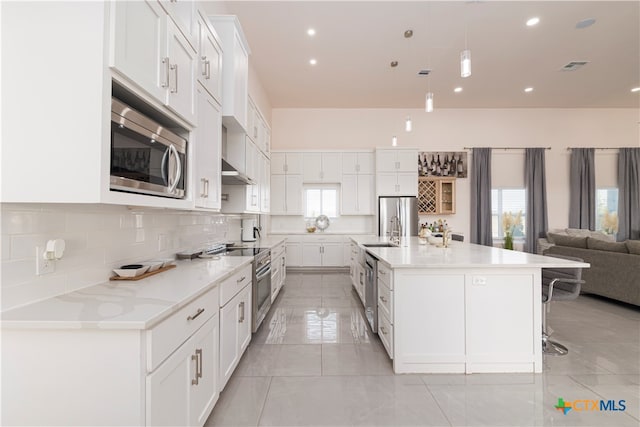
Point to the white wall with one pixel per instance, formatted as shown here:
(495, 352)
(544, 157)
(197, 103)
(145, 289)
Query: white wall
(451, 130)
(98, 239)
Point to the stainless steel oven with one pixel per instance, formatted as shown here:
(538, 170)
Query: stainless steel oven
(371, 291)
(146, 157)
(261, 287)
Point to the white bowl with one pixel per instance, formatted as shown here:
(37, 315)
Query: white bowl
(153, 265)
(131, 272)
(165, 261)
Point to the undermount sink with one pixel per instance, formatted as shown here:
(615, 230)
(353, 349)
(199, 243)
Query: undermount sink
(379, 245)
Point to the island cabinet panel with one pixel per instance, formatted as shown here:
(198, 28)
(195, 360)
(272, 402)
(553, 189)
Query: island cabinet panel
(499, 308)
(429, 321)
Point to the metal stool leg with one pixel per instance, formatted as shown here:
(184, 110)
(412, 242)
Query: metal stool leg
(549, 347)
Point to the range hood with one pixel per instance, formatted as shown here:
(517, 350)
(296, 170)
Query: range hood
(230, 176)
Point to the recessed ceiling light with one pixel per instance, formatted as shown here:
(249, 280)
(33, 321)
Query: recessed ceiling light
(635, 89)
(533, 21)
(528, 89)
(311, 32)
(313, 61)
(458, 90)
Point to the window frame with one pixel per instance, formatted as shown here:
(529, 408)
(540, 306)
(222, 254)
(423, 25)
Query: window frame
(499, 236)
(321, 187)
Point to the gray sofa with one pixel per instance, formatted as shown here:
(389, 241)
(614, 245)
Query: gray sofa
(615, 266)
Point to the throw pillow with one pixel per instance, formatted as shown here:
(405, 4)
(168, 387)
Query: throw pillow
(633, 246)
(601, 236)
(578, 232)
(602, 245)
(574, 242)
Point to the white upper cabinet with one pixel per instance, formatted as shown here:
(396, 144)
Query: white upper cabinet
(322, 167)
(210, 59)
(140, 43)
(265, 185)
(151, 51)
(397, 160)
(357, 163)
(235, 71)
(185, 15)
(207, 148)
(286, 163)
(357, 194)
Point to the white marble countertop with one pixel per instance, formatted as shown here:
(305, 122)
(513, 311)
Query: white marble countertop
(411, 254)
(127, 304)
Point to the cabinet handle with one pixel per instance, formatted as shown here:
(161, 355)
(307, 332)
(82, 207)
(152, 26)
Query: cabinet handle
(241, 312)
(174, 67)
(199, 367)
(203, 193)
(383, 299)
(204, 66)
(285, 168)
(195, 380)
(241, 279)
(167, 66)
(207, 188)
(383, 330)
(198, 313)
(357, 168)
(208, 64)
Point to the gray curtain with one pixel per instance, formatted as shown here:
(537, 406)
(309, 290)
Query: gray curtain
(481, 196)
(629, 194)
(582, 188)
(535, 184)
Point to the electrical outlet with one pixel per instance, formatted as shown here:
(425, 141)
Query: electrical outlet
(479, 281)
(43, 266)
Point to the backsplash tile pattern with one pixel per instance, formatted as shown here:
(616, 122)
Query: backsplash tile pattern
(98, 239)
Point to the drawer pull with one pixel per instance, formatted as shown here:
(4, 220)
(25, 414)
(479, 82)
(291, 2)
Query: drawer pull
(382, 272)
(199, 367)
(383, 299)
(241, 279)
(383, 330)
(241, 312)
(198, 313)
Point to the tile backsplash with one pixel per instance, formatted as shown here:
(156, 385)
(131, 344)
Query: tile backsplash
(98, 239)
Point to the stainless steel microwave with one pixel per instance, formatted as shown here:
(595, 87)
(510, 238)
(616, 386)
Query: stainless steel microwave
(146, 157)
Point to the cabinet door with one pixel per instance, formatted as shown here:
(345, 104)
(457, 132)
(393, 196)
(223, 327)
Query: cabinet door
(140, 44)
(253, 198)
(311, 254)
(349, 163)
(408, 161)
(207, 152)
(294, 194)
(293, 253)
(387, 184)
(205, 393)
(365, 163)
(244, 323)
(168, 389)
(294, 163)
(349, 193)
(278, 163)
(182, 71)
(265, 187)
(210, 69)
(408, 184)
(184, 14)
(312, 167)
(366, 194)
(332, 254)
(241, 80)
(386, 161)
(278, 194)
(252, 122)
(229, 339)
(331, 167)
(251, 160)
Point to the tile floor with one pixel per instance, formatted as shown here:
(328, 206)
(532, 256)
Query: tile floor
(314, 362)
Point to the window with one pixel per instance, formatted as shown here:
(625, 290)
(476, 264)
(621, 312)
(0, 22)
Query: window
(607, 210)
(508, 206)
(321, 200)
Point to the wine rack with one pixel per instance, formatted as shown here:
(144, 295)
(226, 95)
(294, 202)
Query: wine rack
(436, 196)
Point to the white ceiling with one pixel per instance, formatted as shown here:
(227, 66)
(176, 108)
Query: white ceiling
(356, 41)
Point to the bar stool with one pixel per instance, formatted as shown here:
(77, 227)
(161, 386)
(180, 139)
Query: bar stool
(558, 284)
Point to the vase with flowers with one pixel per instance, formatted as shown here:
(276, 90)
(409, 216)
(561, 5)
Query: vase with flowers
(511, 223)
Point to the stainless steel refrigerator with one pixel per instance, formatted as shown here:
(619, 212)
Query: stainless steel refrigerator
(400, 210)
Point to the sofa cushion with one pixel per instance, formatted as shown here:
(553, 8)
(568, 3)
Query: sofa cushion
(580, 232)
(633, 246)
(574, 242)
(601, 245)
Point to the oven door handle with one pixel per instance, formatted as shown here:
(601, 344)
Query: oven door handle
(263, 272)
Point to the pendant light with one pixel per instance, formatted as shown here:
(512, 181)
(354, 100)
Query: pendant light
(465, 63)
(428, 105)
(394, 141)
(408, 126)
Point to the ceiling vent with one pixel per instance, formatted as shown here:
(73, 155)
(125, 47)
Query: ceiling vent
(574, 65)
(424, 72)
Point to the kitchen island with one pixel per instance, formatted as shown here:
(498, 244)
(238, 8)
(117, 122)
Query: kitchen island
(462, 309)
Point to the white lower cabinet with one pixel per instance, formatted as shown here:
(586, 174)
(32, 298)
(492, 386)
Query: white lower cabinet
(278, 269)
(325, 254)
(184, 388)
(235, 332)
(294, 254)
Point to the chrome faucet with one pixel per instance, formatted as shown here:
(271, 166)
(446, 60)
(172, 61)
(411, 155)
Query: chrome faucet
(446, 234)
(396, 230)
